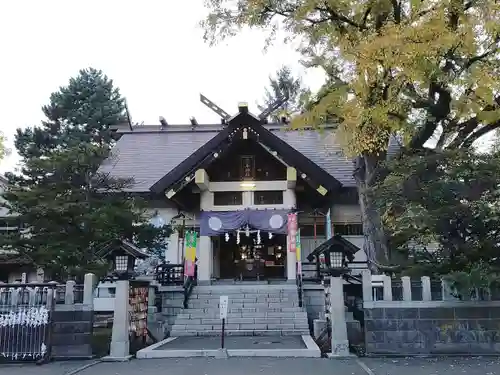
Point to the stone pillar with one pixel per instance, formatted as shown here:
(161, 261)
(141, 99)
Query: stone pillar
(426, 288)
(340, 342)
(40, 275)
(406, 282)
(367, 285)
(69, 293)
(291, 263)
(387, 288)
(120, 345)
(89, 283)
(172, 251)
(205, 260)
(151, 302)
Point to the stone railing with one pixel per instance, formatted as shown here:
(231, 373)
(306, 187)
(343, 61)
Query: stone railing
(61, 317)
(382, 288)
(429, 322)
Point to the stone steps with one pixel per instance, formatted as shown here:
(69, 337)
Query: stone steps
(263, 310)
(247, 306)
(206, 313)
(241, 332)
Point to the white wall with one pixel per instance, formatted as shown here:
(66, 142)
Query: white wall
(207, 196)
(346, 213)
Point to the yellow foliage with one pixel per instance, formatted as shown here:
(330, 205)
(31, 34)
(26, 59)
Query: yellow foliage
(396, 60)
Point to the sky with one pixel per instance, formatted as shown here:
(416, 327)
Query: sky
(152, 49)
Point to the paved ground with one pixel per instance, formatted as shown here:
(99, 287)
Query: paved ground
(55, 368)
(268, 366)
(433, 366)
(236, 342)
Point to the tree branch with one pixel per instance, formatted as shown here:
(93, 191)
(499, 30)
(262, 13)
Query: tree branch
(396, 11)
(439, 111)
(466, 135)
(335, 16)
(479, 133)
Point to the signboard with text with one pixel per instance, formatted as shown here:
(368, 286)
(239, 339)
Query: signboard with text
(223, 304)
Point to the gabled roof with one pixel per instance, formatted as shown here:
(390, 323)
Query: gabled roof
(337, 240)
(148, 153)
(126, 246)
(218, 144)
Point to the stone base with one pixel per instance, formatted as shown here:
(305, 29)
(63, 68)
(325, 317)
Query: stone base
(204, 282)
(338, 356)
(221, 354)
(157, 350)
(340, 350)
(116, 359)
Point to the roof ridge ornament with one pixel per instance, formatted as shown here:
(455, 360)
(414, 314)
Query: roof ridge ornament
(214, 107)
(273, 107)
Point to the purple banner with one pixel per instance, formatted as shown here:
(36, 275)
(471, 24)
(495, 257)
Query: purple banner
(213, 223)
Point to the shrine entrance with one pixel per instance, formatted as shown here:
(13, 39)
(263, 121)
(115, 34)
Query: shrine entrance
(252, 256)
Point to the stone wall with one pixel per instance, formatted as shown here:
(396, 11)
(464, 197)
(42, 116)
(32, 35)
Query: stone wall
(436, 324)
(432, 329)
(314, 302)
(172, 298)
(73, 321)
(72, 331)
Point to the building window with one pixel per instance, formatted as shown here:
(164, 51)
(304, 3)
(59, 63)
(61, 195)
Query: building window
(228, 198)
(268, 197)
(307, 230)
(340, 229)
(348, 229)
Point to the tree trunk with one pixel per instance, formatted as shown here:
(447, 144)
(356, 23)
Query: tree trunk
(375, 241)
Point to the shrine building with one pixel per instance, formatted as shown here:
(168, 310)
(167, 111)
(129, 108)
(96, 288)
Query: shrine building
(235, 184)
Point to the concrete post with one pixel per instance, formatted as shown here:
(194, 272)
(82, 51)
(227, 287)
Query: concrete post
(151, 299)
(426, 288)
(387, 288)
(406, 281)
(89, 283)
(205, 260)
(340, 342)
(51, 295)
(366, 280)
(120, 345)
(40, 275)
(69, 293)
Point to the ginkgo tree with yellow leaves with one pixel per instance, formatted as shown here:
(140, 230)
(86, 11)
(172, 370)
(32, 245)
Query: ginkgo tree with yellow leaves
(427, 72)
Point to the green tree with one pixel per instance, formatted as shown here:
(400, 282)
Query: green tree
(82, 111)
(68, 208)
(284, 85)
(422, 70)
(442, 211)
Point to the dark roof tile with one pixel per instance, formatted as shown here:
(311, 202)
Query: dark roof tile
(149, 153)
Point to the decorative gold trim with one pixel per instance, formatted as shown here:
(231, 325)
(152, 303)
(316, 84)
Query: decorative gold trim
(321, 190)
